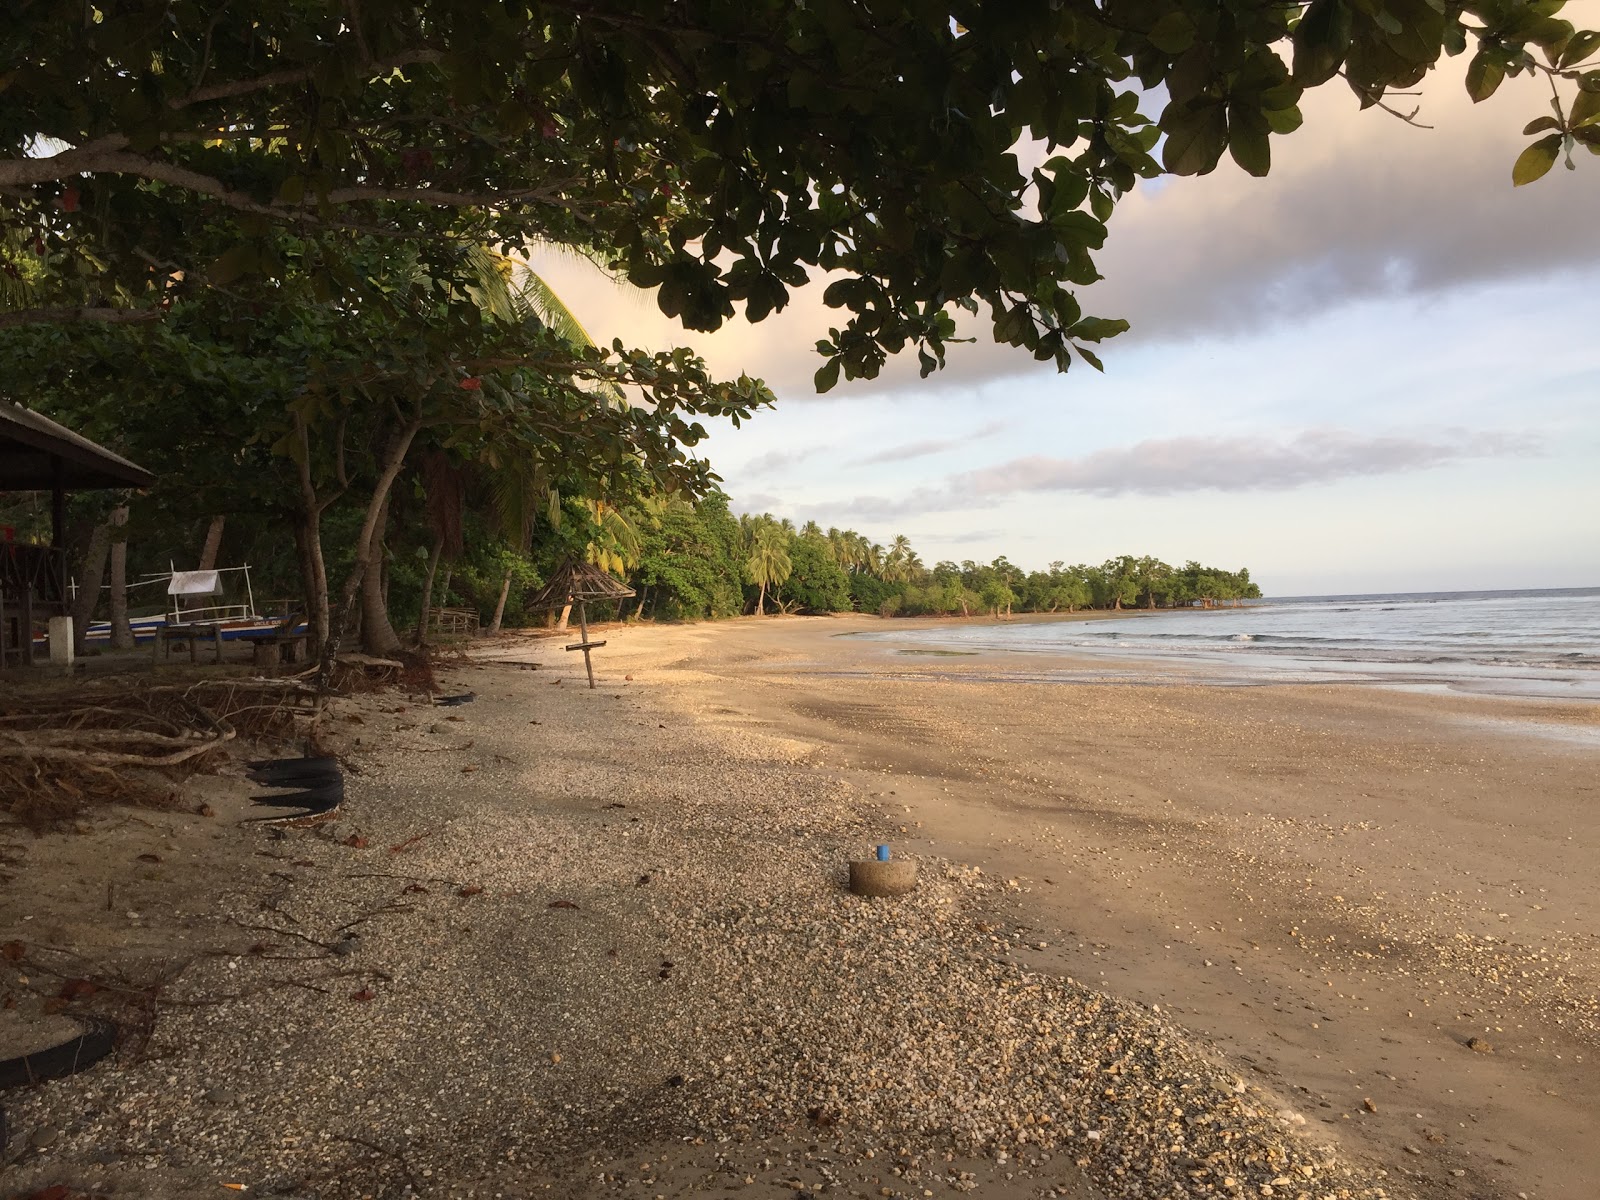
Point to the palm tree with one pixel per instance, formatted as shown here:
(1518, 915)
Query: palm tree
(768, 562)
(897, 566)
(872, 559)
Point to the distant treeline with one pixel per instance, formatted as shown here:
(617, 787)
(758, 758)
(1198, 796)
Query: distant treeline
(686, 560)
(696, 561)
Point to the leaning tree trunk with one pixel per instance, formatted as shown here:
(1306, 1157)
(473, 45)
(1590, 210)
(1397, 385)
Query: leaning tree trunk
(500, 608)
(121, 630)
(88, 597)
(761, 601)
(566, 612)
(394, 457)
(377, 633)
(213, 543)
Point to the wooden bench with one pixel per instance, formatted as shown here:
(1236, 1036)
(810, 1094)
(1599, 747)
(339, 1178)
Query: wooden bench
(281, 645)
(192, 635)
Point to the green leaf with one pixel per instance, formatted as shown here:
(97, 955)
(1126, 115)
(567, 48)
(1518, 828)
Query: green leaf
(1585, 109)
(1195, 138)
(1484, 75)
(292, 190)
(827, 376)
(1091, 358)
(1284, 120)
(1321, 41)
(1536, 161)
(1580, 47)
(1173, 33)
(1097, 329)
(236, 262)
(1247, 139)
(1533, 127)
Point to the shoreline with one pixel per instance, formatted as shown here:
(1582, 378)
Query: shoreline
(1217, 666)
(715, 1008)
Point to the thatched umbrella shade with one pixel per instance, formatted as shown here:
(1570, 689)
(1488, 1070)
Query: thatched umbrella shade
(576, 582)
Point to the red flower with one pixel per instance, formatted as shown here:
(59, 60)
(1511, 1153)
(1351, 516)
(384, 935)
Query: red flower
(472, 384)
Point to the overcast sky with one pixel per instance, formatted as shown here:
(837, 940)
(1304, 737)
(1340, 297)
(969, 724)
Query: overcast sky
(1375, 370)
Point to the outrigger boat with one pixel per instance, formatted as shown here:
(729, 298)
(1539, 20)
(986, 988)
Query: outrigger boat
(185, 593)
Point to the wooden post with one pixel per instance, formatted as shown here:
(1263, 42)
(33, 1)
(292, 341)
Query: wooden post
(583, 624)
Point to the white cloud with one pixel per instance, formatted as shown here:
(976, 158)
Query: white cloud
(1168, 466)
(929, 447)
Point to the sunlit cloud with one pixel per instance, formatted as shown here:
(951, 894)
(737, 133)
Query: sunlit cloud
(774, 461)
(928, 448)
(1164, 466)
(1169, 466)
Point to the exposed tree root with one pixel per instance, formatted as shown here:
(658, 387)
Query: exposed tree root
(127, 742)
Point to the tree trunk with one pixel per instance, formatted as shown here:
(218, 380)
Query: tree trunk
(500, 608)
(427, 589)
(377, 633)
(88, 597)
(566, 612)
(394, 457)
(313, 575)
(213, 543)
(761, 601)
(121, 631)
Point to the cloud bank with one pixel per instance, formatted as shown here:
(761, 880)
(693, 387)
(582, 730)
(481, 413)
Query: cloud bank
(1169, 466)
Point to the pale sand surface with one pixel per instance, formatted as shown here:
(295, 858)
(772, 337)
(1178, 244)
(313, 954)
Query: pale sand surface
(1325, 890)
(1337, 885)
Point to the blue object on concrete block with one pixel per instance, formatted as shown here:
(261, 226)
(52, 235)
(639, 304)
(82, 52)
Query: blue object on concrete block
(883, 853)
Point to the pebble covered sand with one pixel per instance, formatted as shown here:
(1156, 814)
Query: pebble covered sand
(522, 963)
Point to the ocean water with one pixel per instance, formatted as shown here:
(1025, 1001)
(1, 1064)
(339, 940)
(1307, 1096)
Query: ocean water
(1544, 642)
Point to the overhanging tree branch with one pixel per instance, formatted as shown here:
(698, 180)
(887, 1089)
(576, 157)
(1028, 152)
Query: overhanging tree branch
(88, 315)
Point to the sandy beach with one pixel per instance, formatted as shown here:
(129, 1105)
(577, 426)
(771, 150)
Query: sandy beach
(1169, 940)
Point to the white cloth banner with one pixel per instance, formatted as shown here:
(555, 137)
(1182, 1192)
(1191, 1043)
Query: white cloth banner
(195, 583)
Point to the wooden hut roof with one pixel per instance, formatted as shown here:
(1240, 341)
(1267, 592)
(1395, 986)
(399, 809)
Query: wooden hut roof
(574, 580)
(37, 454)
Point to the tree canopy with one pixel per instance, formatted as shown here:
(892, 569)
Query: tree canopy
(719, 153)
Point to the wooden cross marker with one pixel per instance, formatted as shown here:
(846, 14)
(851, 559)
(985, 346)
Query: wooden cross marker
(586, 645)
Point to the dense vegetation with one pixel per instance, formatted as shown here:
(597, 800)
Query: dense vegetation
(836, 570)
(269, 250)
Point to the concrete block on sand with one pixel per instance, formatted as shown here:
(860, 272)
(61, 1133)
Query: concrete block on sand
(893, 878)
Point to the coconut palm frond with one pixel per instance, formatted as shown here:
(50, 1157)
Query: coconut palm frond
(515, 491)
(620, 539)
(491, 287)
(533, 295)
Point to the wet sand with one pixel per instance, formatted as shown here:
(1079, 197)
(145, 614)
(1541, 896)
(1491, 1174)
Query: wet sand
(1382, 902)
